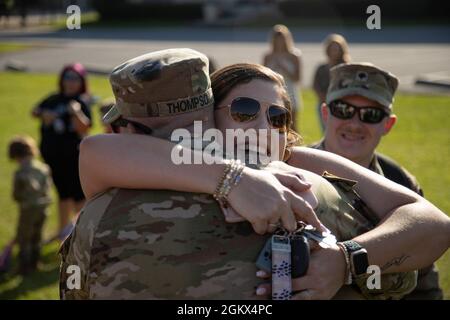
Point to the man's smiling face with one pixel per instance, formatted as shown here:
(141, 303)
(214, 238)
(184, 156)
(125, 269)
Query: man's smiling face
(352, 138)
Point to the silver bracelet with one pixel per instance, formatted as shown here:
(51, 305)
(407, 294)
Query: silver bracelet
(230, 178)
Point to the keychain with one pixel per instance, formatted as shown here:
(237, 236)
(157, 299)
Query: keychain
(286, 256)
(281, 268)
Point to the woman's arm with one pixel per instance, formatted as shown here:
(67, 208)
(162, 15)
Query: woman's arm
(413, 233)
(144, 162)
(379, 193)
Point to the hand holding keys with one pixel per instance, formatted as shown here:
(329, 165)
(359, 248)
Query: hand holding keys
(286, 256)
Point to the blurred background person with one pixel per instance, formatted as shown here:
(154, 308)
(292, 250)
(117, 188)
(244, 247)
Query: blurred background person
(31, 190)
(65, 119)
(285, 59)
(336, 50)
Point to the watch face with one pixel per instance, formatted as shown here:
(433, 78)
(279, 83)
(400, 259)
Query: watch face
(360, 261)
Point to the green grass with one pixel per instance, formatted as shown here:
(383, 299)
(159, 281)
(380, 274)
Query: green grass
(19, 92)
(420, 141)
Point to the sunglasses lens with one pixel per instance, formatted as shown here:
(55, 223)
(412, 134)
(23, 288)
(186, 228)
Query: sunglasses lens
(279, 117)
(372, 115)
(244, 109)
(341, 110)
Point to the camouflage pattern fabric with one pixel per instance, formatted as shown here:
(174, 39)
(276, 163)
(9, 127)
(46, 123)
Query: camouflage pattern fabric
(362, 79)
(144, 244)
(428, 278)
(31, 185)
(31, 188)
(29, 232)
(141, 244)
(178, 80)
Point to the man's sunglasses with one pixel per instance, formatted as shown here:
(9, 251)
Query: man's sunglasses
(344, 110)
(244, 109)
(121, 122)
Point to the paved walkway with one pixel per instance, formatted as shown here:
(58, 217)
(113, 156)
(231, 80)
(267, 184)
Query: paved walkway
(102, 49)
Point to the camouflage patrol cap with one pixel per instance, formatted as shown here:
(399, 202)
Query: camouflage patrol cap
(160, 84)
(363, 79)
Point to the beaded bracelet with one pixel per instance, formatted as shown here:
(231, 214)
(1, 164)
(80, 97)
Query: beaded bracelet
(348, 273)
(230, 178)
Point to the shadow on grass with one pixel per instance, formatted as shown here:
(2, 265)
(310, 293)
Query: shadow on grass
(31, 282)
(14, 285)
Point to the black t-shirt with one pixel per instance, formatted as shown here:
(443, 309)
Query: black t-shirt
(60, 137)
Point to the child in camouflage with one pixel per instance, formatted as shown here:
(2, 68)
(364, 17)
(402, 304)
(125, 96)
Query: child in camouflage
(31, 188)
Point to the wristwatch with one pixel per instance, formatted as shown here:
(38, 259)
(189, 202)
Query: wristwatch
(357, 256)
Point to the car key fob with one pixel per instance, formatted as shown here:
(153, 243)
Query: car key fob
(299, 255)
(264, 261)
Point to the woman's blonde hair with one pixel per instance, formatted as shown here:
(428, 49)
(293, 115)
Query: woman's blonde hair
(21, 147)
(227, 78)
(343, 46)
(282, 31)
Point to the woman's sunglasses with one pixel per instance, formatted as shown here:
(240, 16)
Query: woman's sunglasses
(344, 110)
(244, 109)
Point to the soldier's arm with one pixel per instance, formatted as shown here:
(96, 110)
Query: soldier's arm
(412, 234)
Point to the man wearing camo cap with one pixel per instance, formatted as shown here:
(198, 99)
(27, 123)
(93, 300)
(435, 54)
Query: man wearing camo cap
(358, 112)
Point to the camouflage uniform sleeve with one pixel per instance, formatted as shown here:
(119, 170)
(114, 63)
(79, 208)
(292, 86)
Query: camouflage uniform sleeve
(393, 286)
(48, 180)
(77, 249)
(73, 270)
(18, 187)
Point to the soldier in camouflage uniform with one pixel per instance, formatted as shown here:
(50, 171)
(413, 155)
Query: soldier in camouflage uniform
(31, 190)
(175, 245)
(376, 88)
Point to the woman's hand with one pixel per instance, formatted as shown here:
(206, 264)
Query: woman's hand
(324, 278)
(264, 201)
(294, 179)
(74, 107)
(80, 122)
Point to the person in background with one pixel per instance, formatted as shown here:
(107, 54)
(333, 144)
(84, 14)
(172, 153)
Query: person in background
(31, 190)
(285, 59)
(336, 49)
(65, 119)
(357, 114)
